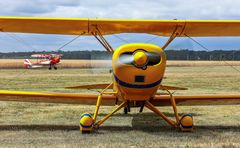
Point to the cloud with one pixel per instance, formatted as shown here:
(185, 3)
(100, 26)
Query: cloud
(144, 9)
(131, 9)
(147, 9)
(33, 8)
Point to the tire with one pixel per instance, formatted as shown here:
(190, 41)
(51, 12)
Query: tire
(125, 110)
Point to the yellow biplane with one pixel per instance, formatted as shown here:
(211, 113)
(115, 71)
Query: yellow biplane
(138, 68)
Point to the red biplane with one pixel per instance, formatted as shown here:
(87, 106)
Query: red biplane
(50, 60)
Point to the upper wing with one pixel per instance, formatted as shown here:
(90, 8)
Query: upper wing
(77, 26)
(164, 100)
(24, 96)
(40, 55)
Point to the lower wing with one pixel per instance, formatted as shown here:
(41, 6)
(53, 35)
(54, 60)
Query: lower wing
(24, 96)
(164, 100)
(158, 100)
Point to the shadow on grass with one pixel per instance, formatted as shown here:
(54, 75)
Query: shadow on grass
(39, 127)
(165, 131)
(161, 129)
(150, 114)
(146, 122)
(143, 122)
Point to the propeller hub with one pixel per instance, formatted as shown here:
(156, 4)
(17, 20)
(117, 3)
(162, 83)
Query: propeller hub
(140, 58)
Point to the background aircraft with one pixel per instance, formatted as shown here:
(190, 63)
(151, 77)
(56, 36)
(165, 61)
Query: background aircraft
(50, 60)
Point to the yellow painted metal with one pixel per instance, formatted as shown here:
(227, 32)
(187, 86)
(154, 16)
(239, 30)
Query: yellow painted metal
(174, 106)
(186, 124)
(128, 72)
(123, 104)
(164, 87)
(158, 100)
(109, 86)
(155, 110)
(153, 73)
(50, 97)
(104, 85)
(172, 37)
(164, 100)
(140, 58)
(110, 93)
(97, 107)
(86, 122)
(187, 121)
(99, 36)
(91, 86)
(76, 26)
(99, 100)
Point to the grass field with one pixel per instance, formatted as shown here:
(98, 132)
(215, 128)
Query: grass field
(48, 125)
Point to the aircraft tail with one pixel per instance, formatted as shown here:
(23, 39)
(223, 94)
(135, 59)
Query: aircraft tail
(27, 63)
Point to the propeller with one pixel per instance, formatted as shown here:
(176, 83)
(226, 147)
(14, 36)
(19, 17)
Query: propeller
(139, 58)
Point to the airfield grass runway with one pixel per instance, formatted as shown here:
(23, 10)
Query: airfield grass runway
(51, 125)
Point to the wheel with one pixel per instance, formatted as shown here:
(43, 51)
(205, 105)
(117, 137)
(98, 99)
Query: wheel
(125, 110)
(186, 123)
(50, 68)
(55, 68)
(86, 123)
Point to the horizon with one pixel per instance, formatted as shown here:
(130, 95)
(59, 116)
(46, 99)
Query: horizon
(53, 51)
(46, 51)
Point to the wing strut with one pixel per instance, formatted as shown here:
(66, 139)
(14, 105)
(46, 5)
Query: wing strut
(98, 35)
(173, 36)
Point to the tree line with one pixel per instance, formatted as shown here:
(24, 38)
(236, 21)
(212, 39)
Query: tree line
(184, 54)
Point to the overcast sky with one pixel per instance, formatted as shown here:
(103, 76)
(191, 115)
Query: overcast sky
(132, 9)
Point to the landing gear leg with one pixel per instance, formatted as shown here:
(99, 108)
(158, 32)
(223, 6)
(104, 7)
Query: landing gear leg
(50, 67)
(158, 112)
(142, 106)
(125, 110)
(88, 123)
(186, 122)
(110, 114)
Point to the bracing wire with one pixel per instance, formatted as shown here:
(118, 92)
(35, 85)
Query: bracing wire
(20, 40)
(15, 37)
(120, 38)
(14, 78)
(152, 39)
(209, 50)
(64, 45)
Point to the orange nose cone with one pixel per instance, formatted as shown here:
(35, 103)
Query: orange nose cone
(140, 58)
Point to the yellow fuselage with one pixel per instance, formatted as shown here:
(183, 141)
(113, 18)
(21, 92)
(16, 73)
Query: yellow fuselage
(138, 70)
